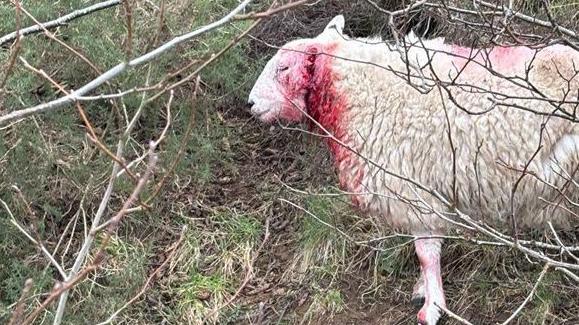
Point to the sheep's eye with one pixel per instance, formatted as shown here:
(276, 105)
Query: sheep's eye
(280, 69)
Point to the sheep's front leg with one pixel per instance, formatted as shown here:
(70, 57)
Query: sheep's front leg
(418, 292)
(428, 251)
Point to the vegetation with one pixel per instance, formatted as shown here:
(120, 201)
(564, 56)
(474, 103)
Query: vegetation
(225, 187)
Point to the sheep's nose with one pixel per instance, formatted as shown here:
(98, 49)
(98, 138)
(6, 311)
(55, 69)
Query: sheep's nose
(250, 102)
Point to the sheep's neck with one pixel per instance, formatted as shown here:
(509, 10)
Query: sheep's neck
(325, 105)
(328, 108)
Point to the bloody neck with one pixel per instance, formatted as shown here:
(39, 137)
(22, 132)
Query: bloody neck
(326, 105)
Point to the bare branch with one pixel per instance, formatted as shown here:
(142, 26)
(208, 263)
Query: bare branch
(120, 68)
(568, 273)
(533, 20)
(62, 289)
(59, 21)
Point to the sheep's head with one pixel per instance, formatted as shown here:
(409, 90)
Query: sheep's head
(280, 92)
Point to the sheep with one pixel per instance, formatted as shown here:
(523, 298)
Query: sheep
(466, 123)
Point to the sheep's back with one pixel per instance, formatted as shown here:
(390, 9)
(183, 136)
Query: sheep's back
(399, 130)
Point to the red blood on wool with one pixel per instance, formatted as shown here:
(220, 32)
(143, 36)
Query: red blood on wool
(501, 58)
(328, 107)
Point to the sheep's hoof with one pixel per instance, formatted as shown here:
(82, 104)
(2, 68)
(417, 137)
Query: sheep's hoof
(418, 301)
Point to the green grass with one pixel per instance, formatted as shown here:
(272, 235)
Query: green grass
(325, 303)
(214, 261)
(323, 248)
(198, 289)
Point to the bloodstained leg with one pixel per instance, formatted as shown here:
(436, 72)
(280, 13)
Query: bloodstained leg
(428, 252)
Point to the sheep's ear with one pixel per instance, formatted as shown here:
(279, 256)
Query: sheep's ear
(337, 22)
(411, 38)
(311, 52)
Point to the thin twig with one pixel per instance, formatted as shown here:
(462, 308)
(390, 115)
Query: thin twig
(529, 297)
(319, 220)
(161, 137)
(91, 132)
(271, 11)
(563, 247)
(182, 145)
(15, 48)
(59, 21)
(212, 59)
(533, 20)
(129, 22)
(53, 37)
(34, 241)
(18, 312)
(63, 289)
(397, 12)
(453, 315)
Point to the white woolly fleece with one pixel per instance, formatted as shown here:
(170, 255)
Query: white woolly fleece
(407, 132)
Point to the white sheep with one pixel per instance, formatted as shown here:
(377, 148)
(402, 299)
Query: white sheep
(392, 117)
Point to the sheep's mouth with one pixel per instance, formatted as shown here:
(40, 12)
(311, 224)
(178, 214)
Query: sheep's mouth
(264, 116)
(259, 114)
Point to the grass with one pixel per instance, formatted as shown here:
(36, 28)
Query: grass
(224, 188)
(325, 303)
